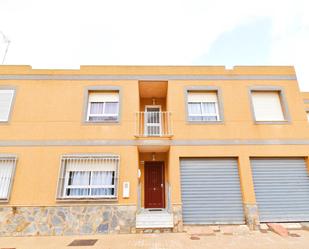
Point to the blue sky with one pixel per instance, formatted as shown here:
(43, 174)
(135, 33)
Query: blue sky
(248, 43)
(69, 33)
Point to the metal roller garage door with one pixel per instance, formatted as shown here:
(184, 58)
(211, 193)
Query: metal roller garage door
(211, 191)
(281, 188)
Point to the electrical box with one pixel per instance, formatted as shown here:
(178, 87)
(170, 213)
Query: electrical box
(126, 190)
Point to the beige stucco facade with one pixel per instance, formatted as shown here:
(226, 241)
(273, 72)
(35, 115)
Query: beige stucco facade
(47, 121)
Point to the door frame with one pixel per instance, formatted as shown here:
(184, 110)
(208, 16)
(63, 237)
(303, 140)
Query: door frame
(145, 120)
(163, 181)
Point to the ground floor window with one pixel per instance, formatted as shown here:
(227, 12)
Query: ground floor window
(7, 168)
(88, 176)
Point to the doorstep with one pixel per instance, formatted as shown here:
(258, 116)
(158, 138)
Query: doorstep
(147, 218)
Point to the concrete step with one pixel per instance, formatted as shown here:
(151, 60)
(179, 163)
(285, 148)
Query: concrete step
(154, 225)
(155, 214)
(154, 220)
(154, 217)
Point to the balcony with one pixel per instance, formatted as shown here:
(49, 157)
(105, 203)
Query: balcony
(153, 124)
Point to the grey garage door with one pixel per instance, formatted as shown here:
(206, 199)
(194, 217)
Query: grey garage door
(211, 191)
(281, 188)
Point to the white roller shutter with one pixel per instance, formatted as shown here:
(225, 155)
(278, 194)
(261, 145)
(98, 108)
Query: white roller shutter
(281, 188)
(267, 106)
(210, 191)
(7, 167)
(91, 164)
(6, 97)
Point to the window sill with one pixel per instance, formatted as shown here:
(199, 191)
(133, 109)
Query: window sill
(108, 199)
(220, 122)
(102, 122)
(272, 122)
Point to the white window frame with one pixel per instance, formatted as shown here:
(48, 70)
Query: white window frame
(90, 186)
(63, 180)
(11, 103)
(204, 114)
(104, 104)
(12, 158)
(146, 124)
(102, 115)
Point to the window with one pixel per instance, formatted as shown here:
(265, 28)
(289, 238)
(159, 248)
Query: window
(203, 106)
(103, 106)
(7, 168)
(93, 176)
(267, 106)
(6, 98)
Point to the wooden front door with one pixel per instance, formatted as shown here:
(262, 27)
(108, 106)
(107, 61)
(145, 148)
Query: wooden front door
(154, 185)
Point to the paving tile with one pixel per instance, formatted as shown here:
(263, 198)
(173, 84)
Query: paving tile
(241, 230)
(215, 228)
(200, 230)
(255, 240)
(264, 228)
(195, 238)
(305, 226)
(294, 234)
(227, 230)
(292, 226)
(278, 229)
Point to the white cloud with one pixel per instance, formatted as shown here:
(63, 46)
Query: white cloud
(290, 41)
(67, 33)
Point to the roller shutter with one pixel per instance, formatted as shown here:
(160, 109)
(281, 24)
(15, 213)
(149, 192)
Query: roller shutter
(282, 189)
(211, 191)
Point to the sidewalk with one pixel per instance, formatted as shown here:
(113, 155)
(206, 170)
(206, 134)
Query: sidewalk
(255, 240)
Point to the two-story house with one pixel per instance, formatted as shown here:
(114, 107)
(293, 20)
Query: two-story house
(108, 149)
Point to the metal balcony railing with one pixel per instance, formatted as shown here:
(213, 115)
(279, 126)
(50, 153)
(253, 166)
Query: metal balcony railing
(153, 124)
